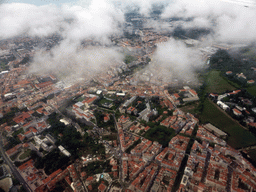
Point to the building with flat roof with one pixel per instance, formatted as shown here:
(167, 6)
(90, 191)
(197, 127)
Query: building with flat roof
(215, 130)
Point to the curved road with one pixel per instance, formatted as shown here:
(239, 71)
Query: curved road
(13, 168)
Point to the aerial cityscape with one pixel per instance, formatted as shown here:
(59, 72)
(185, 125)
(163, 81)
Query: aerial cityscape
(128, 96)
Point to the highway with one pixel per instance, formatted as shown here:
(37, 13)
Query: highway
(13, 168)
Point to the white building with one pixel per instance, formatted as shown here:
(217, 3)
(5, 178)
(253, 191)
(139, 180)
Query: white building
(64, 151)
(222, 105)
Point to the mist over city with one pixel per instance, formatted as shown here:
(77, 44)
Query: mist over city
(128, 95)
(101, 20)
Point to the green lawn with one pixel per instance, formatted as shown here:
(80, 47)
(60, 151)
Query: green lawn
(217, 84)
(103, 101)
(238, 136)
(110, 137)
(80, 99)
(18, 132)
(111, 96)
(160, 134)
(190, 108)
(252, 90)
(13, 157)
(25, 154)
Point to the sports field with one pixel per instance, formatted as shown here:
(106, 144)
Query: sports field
(238, 136)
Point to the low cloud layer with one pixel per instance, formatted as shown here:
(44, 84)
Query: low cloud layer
(231, 21)
(17, 19)
(70, 63)
(228, 21)
(173, 59)
(98, 19)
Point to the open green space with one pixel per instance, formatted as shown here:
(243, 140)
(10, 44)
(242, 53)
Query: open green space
(97, 167)
(160, 134)
(105, 101)
(13, 157)
(215, 83)
(190, 107)
(25, 154)
(80, 99)
(99, 114)
(129, 58)
(7, 118)
(110, 137)
(128, 150)
(252, 90)
(3, 66)
(111, 96)
(249, 52)
(238, 136)
(51, 162)
(18, 132)
(72, 140)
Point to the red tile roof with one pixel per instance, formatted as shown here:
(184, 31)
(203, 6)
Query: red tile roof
(237, 111)
(26, 165)
(25, 145)
(102, 187)
(21, 118)
(33, 129)
(21, 137)
(89, 178)
(90, 187)
(50, 177)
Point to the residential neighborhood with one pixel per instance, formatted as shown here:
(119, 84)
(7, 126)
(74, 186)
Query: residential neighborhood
(127, 125)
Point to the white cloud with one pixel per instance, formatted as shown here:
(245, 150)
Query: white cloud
(231, 21)
(95, 19)
(174, 58)
(159, 26)
(18, 18)
(198, 22)
(99, 18)
(239, 28)
(68, 61)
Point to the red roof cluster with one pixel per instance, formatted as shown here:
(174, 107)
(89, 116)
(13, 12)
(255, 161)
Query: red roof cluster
(21, 118)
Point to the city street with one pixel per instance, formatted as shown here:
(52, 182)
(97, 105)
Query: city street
(14, 170)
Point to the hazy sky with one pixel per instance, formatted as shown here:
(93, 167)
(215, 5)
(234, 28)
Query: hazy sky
(39, 2)
(59, 2)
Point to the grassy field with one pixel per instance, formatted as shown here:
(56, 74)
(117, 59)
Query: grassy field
(80, 99)
(104, 101)
(13, 157)
(217, 84)
(25, 154)
(238, 136)
(160, 134)
(18, 132)
(190, 108)
(252, 90)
